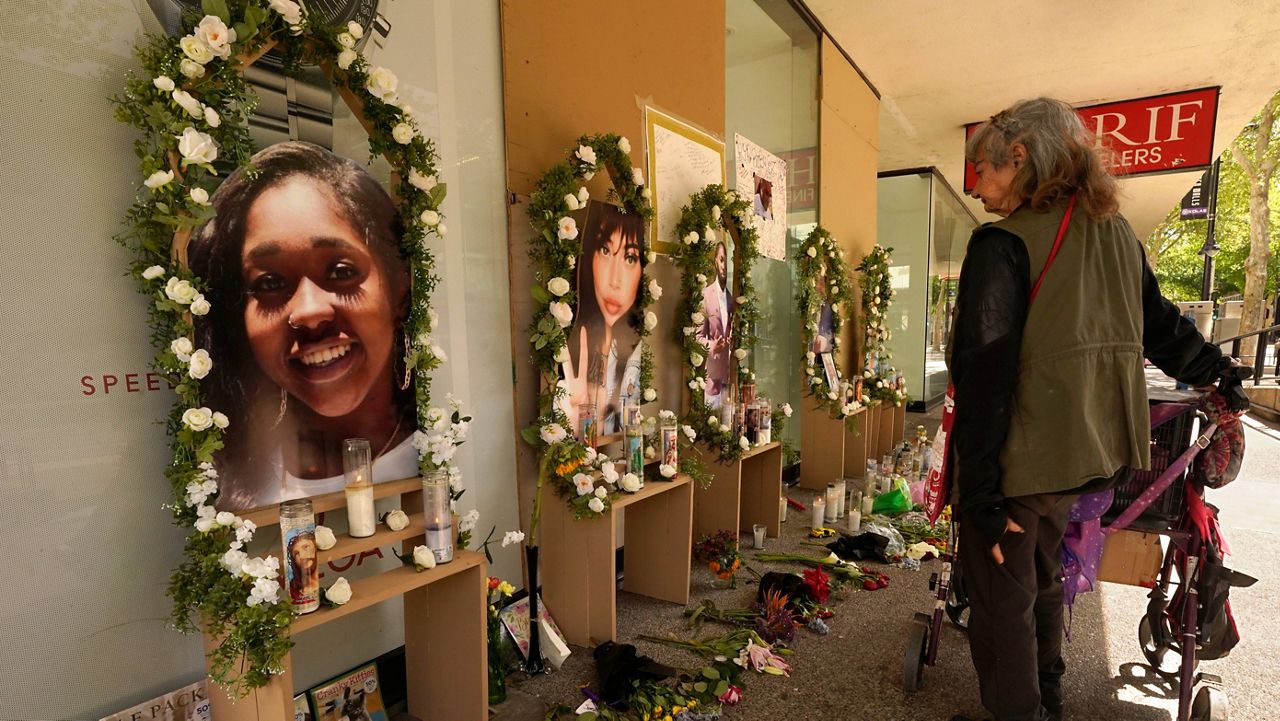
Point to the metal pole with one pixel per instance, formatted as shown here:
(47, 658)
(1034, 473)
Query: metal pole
(1210, 248)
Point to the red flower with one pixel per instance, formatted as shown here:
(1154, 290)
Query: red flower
(493, 583)
(816, 580)
(730, 697)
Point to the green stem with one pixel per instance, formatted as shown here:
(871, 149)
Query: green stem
(531, 540)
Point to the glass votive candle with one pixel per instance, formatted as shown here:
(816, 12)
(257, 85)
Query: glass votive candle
(818, 509)
(728, 413)
(840, 498)
(670, 451)
(757, 534)
(587, 425)
(439, 519)
(765, 434)
(855, 521)
(301, 567)
(782, 510)
(357, 466)
(634, 447)
(832, 502)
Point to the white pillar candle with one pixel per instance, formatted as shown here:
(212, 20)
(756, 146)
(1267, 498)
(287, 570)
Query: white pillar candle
(840, 509)
(361, 522)
(757, 535)
(782, 510)
(819, 509)
(833, 503)
(855, 521)
(868, 503)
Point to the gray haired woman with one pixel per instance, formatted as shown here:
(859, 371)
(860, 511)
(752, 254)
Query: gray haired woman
(1050, 395)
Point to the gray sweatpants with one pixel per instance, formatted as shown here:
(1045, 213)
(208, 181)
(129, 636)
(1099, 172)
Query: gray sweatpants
(1015, 617)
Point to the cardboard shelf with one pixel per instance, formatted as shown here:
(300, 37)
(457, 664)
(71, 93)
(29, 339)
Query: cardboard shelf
(270, 515)
(764, 448)
(348, 546)
(742, 493)
(372, 590)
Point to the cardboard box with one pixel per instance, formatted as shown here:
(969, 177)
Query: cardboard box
(1132, 558)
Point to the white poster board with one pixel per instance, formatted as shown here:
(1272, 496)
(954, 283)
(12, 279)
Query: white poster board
(761, 177)
(682, 161)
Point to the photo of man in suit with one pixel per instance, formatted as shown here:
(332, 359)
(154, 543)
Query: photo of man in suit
(716, 333)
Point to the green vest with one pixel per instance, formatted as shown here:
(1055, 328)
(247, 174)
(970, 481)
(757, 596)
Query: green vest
(1080, 410)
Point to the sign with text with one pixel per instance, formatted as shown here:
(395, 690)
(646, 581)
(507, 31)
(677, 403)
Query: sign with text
(1195, 204)
(1159, 134)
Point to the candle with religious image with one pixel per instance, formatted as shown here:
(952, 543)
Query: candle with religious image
(301, 568)
(669, 447)
(633, 445)
(630, 412)
(438, 514)
(765, 433)
(587, 426)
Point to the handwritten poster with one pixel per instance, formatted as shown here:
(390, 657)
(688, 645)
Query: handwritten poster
(761, 177)
(682, 161)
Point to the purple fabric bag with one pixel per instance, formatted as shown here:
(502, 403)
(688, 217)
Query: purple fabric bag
(1082, 544)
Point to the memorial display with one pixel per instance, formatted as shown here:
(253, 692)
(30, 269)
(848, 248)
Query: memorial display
(334, 331)
(825, 294)
(881, 382)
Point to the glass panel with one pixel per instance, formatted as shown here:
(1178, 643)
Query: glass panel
(952, 226)
(902, 223)
(771, 95)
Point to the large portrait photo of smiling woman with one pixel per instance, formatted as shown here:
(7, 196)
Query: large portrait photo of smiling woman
(603, 370)
(309, 295)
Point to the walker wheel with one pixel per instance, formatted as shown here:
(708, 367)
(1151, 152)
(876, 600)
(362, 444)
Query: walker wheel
(917, 648)
(1210, 705)
(1164, 656)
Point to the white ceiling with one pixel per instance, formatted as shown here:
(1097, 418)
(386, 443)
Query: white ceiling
(940, 65)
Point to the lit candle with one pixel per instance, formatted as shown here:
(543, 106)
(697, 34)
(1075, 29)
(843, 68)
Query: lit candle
(819, 509)
(782, 510)
(435, 507)
(868, 503)
(833, 503)
(840, 509)
(357, 465)
(855, 521)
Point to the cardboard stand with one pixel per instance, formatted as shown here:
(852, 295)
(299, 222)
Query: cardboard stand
(742, 493)
(578, 564)
(445, 609)
(822, 445)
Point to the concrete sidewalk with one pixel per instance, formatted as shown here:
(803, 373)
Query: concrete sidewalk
(854, 673)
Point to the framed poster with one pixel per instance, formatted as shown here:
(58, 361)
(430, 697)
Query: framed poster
(762, 177)
(682, 160)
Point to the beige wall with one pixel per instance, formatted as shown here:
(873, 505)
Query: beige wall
(584, 67)
(848, 147)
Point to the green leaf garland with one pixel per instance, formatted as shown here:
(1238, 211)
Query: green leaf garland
(881, 382)
(816, 256)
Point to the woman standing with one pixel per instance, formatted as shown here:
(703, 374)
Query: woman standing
(1050, 395)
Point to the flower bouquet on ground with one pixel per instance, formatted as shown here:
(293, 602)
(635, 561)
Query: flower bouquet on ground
(840, 572)
(720, 552)
(498, 592)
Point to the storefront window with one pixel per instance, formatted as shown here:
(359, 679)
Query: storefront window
(771, 79)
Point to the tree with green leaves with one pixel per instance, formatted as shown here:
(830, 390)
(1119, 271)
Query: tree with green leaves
(1257, 150)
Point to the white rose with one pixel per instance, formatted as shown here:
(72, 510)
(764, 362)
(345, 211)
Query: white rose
(571, 201)
(630, 483)
(583, 195)
(180, 291)
(354, 28)
(702, 279)
(211, 117)
(220, 420)
(345, 58)
(346, 40)
(811, 252)
(196, 147)
(601, 492)
(403, 133)
(562, 313)
(562, 355)
(650, 452)
(158, 179)
(423, 558)
(155, 271)
(743, 442)
(567, 228)
(624, 145)
(666, 470)
(216, 35)
(396, 520)
(650, 395)
(786, 410)
(584, 483)
(191, 69)
(709, 234)
(199, 305)
(551, 433)
(740, 353)
(197, 419)
(196, 49)
(429, 218)
(608, 470)
(558, 286)
(650, 320)
(188, 102)
(163, 83)
(690, 238)
(289, 10)
(204, 525)
(381, 84)
(697, 318)
(199, 196)
(690, 433)
(200, 364)
(586, 154)
(637, 176)
(420, 181)
(339, 593)
(183, 348)
(588, 175)
(596, 505)
(325, 538)
(646, 193)
(442, 230)
(696, 359)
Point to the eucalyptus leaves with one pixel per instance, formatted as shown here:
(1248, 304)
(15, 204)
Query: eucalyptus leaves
(824, 296)
(706, 224)
(191, 104)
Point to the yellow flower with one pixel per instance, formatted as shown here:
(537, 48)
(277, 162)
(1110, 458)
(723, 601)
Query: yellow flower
(506, 589)
(667, 718)
(693, 703)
